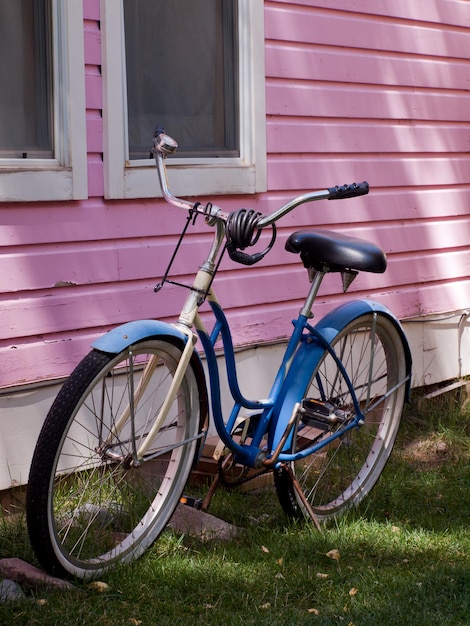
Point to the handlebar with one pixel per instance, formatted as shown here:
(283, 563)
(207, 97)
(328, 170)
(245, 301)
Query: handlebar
(164, 145)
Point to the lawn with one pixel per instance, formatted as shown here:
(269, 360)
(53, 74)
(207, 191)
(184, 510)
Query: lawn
(402, 558)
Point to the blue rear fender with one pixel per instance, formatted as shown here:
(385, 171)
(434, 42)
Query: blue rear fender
(310, 352)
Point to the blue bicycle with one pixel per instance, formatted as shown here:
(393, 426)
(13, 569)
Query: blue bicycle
(120, 440)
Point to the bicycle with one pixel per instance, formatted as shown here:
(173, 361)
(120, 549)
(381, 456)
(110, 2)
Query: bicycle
(120, 440)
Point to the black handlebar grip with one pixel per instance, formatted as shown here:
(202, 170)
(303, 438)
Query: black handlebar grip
(348, 191)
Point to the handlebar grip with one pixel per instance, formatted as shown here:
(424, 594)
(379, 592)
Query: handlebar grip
(348, 191)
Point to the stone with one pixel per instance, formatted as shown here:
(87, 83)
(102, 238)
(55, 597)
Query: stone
(30, 576)
(206, 527)
(10, 591)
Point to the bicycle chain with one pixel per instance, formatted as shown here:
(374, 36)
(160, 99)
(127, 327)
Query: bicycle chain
(238, 481)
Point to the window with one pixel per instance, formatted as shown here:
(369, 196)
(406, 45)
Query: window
(189, 81)
(25, 75)
(42, 105)
(195, 67)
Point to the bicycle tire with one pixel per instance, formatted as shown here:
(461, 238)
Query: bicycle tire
(88, 508)
(341, 474)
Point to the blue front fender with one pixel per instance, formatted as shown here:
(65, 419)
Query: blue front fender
(311, 351)
(123, 336)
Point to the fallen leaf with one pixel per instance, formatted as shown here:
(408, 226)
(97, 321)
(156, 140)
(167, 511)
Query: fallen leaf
(265, 549)
(320, 575)
(353, 591)
(134, 621)
(280, 561)
(100, 586)
(333, 554)
(265, 606)
(314, 611)
(279, 576)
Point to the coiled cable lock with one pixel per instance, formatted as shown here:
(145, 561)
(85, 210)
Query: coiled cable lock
(241, 233)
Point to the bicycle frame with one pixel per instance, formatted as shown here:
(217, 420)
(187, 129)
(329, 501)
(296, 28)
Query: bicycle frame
(276, 415)
(272, 421)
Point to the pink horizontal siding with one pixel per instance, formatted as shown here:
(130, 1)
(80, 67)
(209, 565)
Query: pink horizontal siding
(378, 91)
(355, 90)
(450, 12)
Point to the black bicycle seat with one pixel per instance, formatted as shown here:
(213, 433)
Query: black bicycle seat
(338, 252)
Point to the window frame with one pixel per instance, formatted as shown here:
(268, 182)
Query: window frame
(63, 177)
(125, 179)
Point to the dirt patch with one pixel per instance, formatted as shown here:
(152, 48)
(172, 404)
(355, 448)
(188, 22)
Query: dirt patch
(427, 453)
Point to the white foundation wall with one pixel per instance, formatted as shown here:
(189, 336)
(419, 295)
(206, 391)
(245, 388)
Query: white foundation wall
(440, 347)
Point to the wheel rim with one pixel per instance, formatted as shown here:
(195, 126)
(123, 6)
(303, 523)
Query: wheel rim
(341, 474)
(102, 509)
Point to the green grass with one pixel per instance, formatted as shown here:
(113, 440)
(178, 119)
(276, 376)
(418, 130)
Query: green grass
(404, 555)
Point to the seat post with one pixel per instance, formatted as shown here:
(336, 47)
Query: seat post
(316, 281)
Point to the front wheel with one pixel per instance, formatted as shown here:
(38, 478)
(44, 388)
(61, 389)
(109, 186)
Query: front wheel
(90, 505)
(342, 473)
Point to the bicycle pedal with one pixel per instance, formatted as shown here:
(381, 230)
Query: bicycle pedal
(195, 503)
(321, 415)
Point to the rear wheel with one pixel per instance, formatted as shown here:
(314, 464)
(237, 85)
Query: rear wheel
(89, 504)
(342, 473)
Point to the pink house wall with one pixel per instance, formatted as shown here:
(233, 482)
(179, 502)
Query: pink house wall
(362, 90)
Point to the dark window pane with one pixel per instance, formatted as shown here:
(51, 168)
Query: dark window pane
(182, 74)
(25, 76)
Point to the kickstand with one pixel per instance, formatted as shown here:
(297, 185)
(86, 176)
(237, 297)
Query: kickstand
(302, 497)
(212, 489)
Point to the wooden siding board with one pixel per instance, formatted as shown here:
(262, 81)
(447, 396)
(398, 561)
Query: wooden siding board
(83, 264)
(365, 31)
(93, 90)
(92, 38)
(94, 125)
(91, 10)
(72, 309)
(324, 63)
(452, 12)
(323, 135)
(388, 171)
(93, 220)
(312, 99)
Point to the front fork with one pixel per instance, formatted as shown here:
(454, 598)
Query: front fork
(135, 395)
